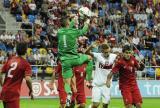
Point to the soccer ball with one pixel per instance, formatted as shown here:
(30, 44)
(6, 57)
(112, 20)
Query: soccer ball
(84, 11)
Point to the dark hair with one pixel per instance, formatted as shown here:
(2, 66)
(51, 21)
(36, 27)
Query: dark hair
(21, 48)
(126, 48)
(105, 46)
(64, 19)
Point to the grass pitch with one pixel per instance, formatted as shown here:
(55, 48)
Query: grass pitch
(54, 103)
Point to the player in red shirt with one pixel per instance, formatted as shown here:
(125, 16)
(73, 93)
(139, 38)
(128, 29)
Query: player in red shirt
(126, 66)
(80, 75)
(16, 68)
(79, 96)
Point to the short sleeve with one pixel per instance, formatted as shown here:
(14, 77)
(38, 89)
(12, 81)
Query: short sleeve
(4, 68)
(116, 67)
(95, 54)
(28, 70)
(136, 63)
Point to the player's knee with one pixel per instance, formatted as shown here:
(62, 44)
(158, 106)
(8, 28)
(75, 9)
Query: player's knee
(95, 105)
(62, 106)
(67, 80)
(128, 106)
(82, 105)
(105, 105)
(138, 105)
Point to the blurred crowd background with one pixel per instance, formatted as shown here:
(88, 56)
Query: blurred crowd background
(119, 22)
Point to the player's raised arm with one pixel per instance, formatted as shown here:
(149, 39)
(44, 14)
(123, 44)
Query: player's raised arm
(93, 45)
(85, 27)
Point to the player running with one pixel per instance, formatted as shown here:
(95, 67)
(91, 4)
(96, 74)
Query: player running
(103, 65)
(16, 68)
(126, 66)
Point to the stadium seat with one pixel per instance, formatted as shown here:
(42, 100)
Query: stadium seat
(19, 18)
(35, 70)
(157, 71)
(151, 72)
(3, 47)
(49, 70)
(34, 50)
(39, 70)
(29, 50)
(43, 50)
(31, 18)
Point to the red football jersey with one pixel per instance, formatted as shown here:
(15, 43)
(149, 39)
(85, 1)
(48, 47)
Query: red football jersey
(80, 74)
(16, 68)
(126, 69)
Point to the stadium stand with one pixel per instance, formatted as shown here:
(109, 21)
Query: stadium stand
(135, 22)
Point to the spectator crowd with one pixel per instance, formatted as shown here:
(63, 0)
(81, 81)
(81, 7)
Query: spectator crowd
(119, 22)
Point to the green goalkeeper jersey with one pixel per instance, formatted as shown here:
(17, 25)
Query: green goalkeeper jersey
(67, 41)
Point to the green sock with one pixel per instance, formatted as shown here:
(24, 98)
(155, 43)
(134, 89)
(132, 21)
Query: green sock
(67, 88)
(89, 70)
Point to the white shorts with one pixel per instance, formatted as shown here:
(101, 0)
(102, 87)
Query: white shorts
(102, 92)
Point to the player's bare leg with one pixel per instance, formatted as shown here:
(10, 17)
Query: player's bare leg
(105, 105)
(82, 105)
(95, 105)
(67, 82)
(62, 106)
(138, 105)
(73, 84)
(128, 106)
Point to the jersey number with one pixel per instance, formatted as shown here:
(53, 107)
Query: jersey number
(13, 67)
(64, 40)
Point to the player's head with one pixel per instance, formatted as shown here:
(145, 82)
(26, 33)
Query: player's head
(64, 20)
(127, 52)
(105, 50)
(21, 48)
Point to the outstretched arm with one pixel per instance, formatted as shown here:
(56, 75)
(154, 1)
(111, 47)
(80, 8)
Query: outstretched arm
(85, 27)
(109, 77)
(93, 45)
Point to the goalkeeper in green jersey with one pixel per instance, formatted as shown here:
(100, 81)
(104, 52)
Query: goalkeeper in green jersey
(67, 50)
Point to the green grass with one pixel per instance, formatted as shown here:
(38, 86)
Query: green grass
(54, 103)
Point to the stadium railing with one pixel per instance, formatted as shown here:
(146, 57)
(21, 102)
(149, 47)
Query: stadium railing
(141, 75)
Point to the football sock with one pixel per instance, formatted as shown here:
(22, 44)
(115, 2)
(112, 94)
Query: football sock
(67, 88)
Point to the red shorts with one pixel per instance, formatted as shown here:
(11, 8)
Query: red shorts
(131, 95)
(13, 104)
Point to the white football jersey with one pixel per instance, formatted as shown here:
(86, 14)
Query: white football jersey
(102, 68)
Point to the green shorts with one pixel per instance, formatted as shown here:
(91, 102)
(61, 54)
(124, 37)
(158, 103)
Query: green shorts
(68, 64)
